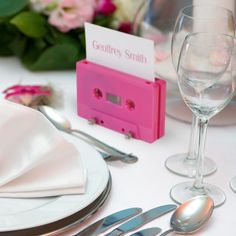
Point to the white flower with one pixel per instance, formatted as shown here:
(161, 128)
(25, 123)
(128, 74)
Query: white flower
(126, 9)
(43, 6)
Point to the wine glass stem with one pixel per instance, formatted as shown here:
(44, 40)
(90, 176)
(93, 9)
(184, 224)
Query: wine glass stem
(193, 139)
(202, 127)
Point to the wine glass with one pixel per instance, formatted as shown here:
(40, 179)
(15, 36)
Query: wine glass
(233, 183)
(196, 18)
(233, 180)
(206, 85)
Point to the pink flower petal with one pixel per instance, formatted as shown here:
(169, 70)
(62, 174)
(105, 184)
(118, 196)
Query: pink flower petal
(71, 14)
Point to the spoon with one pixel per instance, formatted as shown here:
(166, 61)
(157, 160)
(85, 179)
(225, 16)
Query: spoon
(63, 124)
(191, 215)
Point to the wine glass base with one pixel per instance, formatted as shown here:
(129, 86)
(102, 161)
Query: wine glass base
(184, 191)
(233, 184)
(180, 165)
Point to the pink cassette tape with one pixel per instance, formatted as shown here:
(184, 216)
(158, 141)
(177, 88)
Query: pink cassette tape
(121, 102)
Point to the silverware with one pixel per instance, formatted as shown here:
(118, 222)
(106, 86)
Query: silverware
(142, 219)
(191, 215)
(104, 155)
(109, 221)
(63, 124)
(148, 232)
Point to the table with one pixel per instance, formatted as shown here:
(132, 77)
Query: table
(146, 183)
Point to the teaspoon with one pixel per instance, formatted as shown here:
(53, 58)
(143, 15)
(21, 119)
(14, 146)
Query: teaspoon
(191, 215)
(63, 124)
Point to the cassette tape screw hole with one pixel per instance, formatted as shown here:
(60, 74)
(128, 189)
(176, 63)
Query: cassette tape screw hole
(92, 121)
(129, 135)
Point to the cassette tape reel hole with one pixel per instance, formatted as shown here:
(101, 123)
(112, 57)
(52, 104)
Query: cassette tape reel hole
(97, 93)
(130, 104)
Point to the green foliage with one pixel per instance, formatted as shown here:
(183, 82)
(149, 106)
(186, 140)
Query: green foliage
(39, 45)
(31, 24)
(11, 7)
(17, 45)
(58, 57)
(5, 51)
(7, 35)
(103, 21)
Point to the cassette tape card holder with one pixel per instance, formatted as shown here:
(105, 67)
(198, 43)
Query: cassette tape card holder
(121, 101)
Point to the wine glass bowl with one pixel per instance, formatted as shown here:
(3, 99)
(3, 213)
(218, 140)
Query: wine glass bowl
(200, 18)
(202, 64)
(206, 82)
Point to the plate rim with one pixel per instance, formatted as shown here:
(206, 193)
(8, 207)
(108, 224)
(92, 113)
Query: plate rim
(71, 210)
(61, 226)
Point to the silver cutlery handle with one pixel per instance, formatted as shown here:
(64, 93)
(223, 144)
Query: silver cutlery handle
(147, 232)
(167, 232)
(111, 150)
(114, 232)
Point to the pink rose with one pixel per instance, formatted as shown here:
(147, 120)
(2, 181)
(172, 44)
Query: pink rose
(105, 7)
(125, 27)
(71, 14)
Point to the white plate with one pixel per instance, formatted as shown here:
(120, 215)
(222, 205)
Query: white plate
(17, 214)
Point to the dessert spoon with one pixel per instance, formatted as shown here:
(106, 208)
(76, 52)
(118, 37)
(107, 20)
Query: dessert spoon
(191, 215)
(63, 124)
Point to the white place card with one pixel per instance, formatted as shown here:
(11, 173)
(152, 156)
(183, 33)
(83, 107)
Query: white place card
(120, 51)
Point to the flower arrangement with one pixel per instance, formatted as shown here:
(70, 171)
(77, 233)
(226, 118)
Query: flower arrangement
(49, 34)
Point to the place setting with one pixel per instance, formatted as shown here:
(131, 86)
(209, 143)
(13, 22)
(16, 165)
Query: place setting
(102, 155)
(44, 209)
(51, 179)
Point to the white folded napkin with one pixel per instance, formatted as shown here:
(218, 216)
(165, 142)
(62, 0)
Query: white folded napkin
(35, 159)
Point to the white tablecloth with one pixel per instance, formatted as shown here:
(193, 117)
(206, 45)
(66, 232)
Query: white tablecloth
(146, 183)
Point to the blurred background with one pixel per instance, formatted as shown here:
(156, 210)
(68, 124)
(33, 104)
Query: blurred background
(155, 20)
